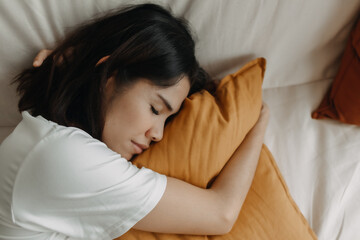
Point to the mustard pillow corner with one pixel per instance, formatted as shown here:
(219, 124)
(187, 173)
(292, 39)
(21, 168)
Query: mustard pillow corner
(269, 211)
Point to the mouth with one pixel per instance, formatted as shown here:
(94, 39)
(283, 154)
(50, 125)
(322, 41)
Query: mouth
(139, 148)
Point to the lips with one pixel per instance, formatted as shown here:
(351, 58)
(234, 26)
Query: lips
(139, 148)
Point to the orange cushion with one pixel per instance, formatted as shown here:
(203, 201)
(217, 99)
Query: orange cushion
(200, 140)
(342, 101)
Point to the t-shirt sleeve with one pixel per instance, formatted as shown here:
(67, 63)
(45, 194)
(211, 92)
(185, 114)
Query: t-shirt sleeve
(73, 184)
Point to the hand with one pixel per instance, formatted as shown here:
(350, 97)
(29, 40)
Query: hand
(41, 56)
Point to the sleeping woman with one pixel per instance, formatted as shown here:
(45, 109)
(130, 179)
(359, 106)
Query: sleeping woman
(100, 97)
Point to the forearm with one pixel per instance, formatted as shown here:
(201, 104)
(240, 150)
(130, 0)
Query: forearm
(234, 181)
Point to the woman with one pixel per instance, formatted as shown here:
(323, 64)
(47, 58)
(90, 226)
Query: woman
(99, 98)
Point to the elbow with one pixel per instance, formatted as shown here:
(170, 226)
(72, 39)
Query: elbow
(227, 212)
(226, 228)
(227, 220)
(230, 214)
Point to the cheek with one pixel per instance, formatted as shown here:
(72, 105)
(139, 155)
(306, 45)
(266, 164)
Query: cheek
(127, 122)
(113, 135)
(135, 119)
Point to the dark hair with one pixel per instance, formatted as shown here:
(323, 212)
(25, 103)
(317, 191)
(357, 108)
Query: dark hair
(143, 41)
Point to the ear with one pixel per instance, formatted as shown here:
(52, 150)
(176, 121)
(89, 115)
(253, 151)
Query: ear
(110, 89)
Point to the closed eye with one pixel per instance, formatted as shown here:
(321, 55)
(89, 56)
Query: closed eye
(156, 112)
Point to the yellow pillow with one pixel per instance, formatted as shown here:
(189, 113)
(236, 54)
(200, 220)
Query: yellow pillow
(201, 139)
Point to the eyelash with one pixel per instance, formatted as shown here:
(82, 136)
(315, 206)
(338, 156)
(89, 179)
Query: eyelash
(156, 112)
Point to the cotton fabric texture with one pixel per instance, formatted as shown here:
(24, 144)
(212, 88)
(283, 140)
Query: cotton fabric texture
(208, 130)
(58, 182)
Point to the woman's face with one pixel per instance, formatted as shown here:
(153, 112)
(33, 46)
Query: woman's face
(137, 115)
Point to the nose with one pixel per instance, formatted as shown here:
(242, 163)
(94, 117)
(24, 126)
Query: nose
(155, 133)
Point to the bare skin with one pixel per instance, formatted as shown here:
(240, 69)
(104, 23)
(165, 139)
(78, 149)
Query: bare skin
(40, 57)
(184, 208)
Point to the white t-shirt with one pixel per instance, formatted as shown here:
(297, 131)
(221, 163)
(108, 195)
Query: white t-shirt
(58, 182)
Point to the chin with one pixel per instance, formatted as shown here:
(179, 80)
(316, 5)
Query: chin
(128, 157)
(123, 154)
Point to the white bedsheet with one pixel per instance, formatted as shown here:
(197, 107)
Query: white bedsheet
(319, 159)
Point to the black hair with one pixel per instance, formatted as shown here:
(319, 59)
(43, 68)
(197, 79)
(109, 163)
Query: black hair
(142, 41)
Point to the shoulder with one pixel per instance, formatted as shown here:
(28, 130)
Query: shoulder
(62, 151)
(67, 160)
(37, 133)
(73, 148)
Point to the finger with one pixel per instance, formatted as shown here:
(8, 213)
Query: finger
(40, 57)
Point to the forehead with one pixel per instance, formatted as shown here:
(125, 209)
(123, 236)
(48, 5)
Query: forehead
(174, 94)
(180, 89)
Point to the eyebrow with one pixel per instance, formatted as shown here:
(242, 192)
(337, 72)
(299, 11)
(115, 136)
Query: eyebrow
(166, 102)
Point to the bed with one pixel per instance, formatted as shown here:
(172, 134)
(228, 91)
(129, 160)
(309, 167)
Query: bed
(303, 42)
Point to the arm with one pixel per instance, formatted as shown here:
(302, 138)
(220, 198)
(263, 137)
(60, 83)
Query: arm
(187, 209)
